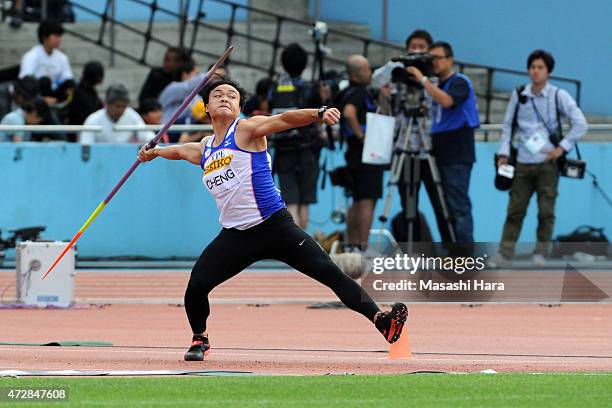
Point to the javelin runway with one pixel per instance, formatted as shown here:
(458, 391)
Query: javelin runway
(291, 339)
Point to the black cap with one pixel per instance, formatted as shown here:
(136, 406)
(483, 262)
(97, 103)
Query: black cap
(502, 183)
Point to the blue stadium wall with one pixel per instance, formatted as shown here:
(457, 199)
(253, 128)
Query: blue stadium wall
(163, 210)
(497, 33)
(503, 33)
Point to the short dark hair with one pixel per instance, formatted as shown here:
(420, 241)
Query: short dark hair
(48, 27)
(93, 72)
(148, 105)
(205, 94)
(40, 106)
(186, 67)
(448, 50)
(27, 87)
(263, 86)
(422, 34)
(545, 56)
(181, 53)
(294, 59)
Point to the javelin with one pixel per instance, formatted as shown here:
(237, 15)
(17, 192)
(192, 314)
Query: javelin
(152, 143)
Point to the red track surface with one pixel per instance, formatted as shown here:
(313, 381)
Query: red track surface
(290, 339)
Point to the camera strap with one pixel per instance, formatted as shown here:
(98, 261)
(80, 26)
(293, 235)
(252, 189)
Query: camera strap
(560, 125)
(540, 118)
(519, 91)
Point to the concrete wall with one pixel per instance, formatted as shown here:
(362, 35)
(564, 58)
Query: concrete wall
(163, 209)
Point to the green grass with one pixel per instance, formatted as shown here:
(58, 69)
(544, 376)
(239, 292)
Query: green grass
(429, 390)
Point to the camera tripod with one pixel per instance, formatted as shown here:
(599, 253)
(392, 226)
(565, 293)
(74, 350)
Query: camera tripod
(412, 163)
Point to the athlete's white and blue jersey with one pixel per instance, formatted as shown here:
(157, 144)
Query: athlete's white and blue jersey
(240, 181)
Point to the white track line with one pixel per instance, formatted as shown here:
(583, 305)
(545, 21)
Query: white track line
(571, 360)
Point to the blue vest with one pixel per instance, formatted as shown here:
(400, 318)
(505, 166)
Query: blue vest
(458, 116)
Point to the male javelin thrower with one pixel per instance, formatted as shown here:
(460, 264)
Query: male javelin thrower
(256, 224)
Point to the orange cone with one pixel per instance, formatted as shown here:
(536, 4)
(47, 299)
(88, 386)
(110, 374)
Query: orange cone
(401, 348)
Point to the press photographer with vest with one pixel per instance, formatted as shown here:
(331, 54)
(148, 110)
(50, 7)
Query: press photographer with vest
(296, 151)
(539, 111)
(454, 118)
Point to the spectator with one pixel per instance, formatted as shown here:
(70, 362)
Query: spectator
(151, 113)
(221, 73)
(175, 93)
(258, 104)
(296, 151)
(25, 90)
(86, 100)
(198, 112)
(32, 10)
(454, 118)
(366, 188)
(160, 77)
(115, 112)
(46, 62)
(31, 112)
(536, 170)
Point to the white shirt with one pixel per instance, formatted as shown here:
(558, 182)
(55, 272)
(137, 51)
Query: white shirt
(108, 135)
(38, 63)
(528, 122)
(16, 117)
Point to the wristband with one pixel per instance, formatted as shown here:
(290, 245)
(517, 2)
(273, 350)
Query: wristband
(321, 111)
(423, 80)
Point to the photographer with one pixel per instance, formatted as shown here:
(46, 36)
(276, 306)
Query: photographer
(539, 149)
(366, 180)
(296, 151)
(454, 118)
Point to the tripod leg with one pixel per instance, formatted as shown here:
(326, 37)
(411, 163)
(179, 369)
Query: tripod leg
(397, 163)
(412, 172)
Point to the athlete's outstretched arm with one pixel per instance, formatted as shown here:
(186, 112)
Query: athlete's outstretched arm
(191, 152)
(261, 126)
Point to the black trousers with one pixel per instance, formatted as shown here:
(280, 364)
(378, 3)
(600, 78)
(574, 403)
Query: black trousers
(278, 237)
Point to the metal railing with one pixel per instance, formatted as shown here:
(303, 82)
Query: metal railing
(96, 128)
(194, 127)
(197, 21)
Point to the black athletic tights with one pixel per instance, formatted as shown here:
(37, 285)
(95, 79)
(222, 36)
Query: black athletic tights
(278, 238)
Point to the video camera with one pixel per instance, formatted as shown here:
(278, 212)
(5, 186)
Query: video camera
(419, 60)
(407, 95)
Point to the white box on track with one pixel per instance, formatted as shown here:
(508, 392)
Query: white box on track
(33, 259)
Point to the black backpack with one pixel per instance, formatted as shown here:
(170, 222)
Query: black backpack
(585, 239)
